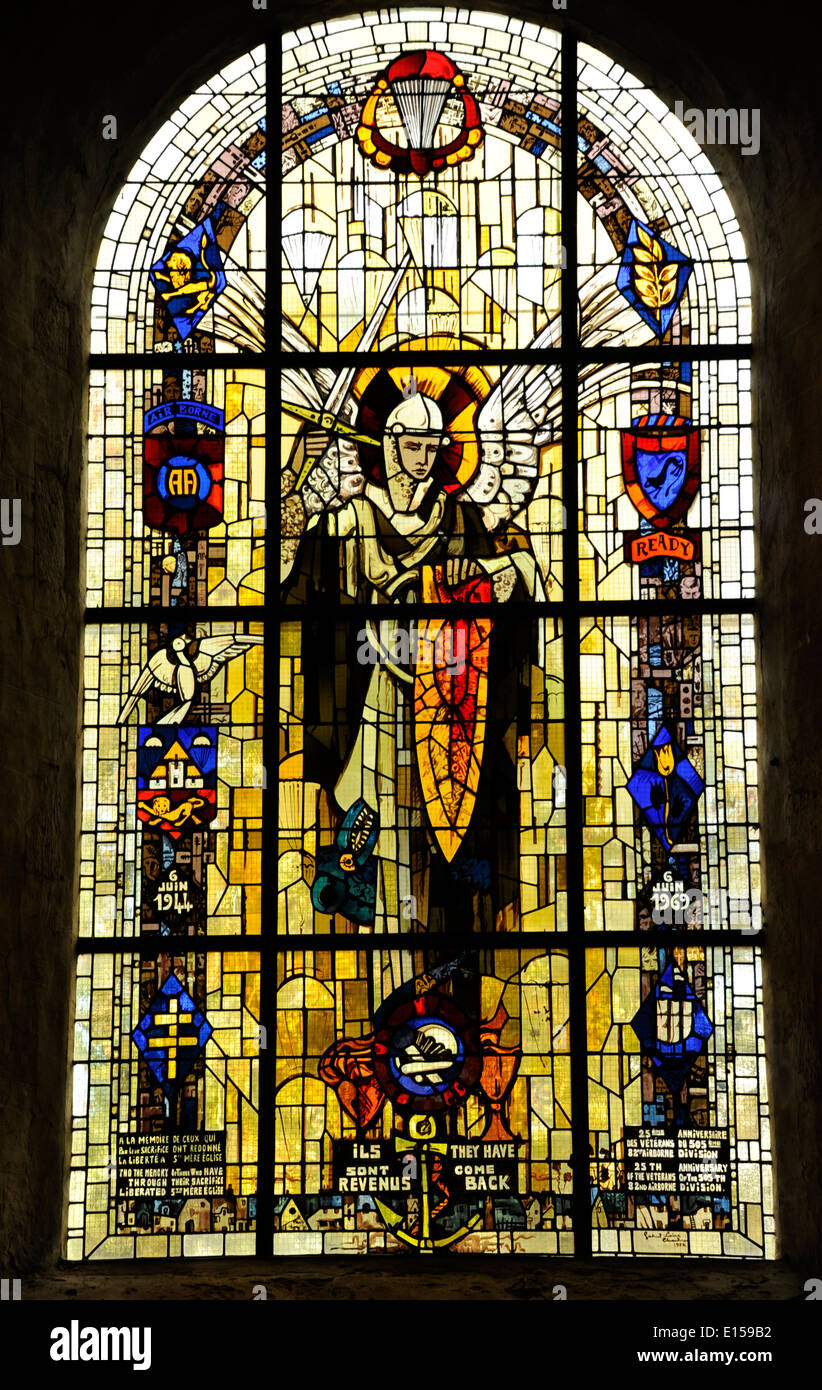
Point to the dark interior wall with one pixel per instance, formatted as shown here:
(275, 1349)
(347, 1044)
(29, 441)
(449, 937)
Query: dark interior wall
(59, 179)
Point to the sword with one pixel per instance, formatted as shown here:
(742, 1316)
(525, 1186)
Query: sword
(328, 422)
(327, 417)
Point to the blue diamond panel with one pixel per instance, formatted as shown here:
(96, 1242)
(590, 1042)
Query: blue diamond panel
(652, 281)
(171, 1034)
(672, 1027)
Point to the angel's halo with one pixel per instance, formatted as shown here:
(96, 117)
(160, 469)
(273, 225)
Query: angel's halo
(460, 390)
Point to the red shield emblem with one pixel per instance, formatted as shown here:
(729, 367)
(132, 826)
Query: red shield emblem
(450, 702)
(660, 465)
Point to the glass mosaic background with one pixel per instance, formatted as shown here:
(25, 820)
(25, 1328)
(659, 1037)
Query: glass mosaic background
(463, 956)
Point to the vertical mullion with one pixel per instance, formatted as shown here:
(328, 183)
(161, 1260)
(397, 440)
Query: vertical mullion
(570, 647)
(268, 892)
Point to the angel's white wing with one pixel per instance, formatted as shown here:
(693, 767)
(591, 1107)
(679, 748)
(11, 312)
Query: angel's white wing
(239, 310)
(512, 427)
(311, 386)
(214, 652)
(293, 339)
(524, 411)
(606, 316)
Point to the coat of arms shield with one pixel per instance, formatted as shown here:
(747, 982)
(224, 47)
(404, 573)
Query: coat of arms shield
(660, 465)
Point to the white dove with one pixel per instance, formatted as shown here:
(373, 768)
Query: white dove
(173, 670)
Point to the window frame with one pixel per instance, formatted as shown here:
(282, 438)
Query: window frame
(569, 357)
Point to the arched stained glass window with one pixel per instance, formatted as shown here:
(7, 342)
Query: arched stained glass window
(166, 1077)
(463, 957)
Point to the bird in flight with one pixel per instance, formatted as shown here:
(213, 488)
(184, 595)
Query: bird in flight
(183, 664)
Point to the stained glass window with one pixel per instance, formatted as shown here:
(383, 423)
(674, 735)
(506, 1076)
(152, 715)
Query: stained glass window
(168, 1017)
(499, 861)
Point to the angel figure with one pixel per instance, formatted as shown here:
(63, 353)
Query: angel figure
(413, 726)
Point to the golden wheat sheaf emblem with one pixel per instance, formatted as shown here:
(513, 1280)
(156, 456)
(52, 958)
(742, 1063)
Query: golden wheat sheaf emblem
(655, 281)
(652, 276)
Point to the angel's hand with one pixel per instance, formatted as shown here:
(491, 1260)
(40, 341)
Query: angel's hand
(505, 581)
(293, 517)
(335, 478)
(352, 478)
(460, 570)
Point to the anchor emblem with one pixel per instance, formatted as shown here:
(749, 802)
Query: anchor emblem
(425, 1057)
(426, 1155)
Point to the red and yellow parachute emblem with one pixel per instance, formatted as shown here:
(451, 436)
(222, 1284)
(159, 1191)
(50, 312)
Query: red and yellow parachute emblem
(400, 121)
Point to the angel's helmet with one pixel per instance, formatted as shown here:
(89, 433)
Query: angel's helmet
(414, 435)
